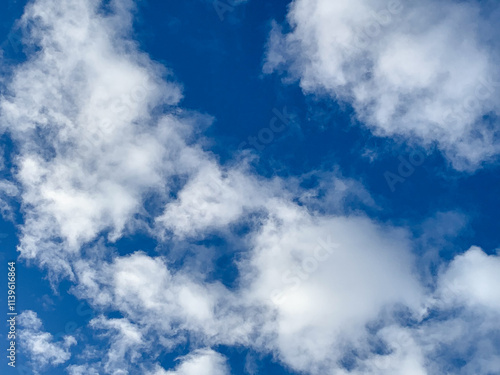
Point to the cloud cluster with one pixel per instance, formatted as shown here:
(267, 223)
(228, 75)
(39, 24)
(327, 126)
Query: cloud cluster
(320, 306)
(423, 71)
(81, 109)
(99, 132)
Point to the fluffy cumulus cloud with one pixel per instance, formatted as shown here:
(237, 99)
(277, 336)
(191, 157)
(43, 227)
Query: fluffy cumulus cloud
(214, 198)
(422, 70)
(471, 280)
(81, 111)
(468, 299)
(99, 132)
(325, 279)
(201, 362)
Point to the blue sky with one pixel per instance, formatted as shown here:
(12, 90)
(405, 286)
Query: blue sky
(251, 187)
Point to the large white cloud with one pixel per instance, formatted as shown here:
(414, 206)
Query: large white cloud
(326, 279)
(81, 112)
(426, 71)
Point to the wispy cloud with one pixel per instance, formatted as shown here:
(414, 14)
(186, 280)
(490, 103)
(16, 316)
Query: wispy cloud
(39, 346)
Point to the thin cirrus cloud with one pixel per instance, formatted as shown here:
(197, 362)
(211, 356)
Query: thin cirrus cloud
(426, 70)
(99, 130)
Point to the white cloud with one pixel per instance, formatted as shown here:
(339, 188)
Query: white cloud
(81, 112)
(167, 306)
(201, 362)
(405, 356)
(39, 346)
(126, 341)
(472, 279)
(8, 191)
(326, 279)
(467, 298)
(461, 324)
(81, 370)
(426, 71)
(214, 198)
